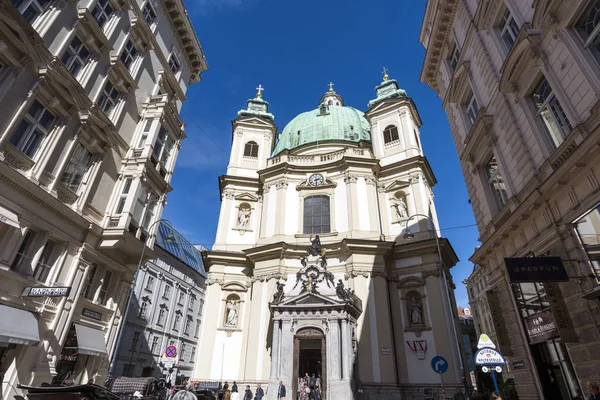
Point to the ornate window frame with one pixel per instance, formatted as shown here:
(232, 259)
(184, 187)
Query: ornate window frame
(305, 190)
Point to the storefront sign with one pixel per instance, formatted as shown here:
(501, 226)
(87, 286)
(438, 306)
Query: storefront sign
(489, 357)
(541, 327)
(91, 314)
(498, 321)
(518, 364)
(46, 291)
(536, 269)
(385, 351)
(560, 312)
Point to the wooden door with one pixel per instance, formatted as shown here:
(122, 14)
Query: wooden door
(323, 369)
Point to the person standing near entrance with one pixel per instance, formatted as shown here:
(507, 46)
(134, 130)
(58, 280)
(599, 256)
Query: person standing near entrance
(281, 391)
(594, 390)
(248, 393)
(259, 393)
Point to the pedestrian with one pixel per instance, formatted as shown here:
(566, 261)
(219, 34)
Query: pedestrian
(248, 393)
(259, 392)
(234, 388)
(235, 395)
(302, 394)
(281, 391)
(313, 381)
(225, 386)
(495, 396)
(459, 394)
(594, 390)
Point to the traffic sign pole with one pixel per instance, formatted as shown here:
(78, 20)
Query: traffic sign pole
(443, 387)
(495, 381)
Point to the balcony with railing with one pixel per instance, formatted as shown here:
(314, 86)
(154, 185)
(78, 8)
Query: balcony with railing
(318, 159)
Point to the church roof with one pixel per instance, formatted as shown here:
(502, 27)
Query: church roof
(331, 121)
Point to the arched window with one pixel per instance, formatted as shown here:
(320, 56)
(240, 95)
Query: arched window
(390, 134)
(316, 214)
(251, 149)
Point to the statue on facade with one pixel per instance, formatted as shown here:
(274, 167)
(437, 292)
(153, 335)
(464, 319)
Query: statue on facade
(278, 296)
(415, 311)
(315, 247)
(232, 313)
(400, 208)
(341, 291)
(243, 218)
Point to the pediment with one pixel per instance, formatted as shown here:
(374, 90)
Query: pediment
(254, 121)
(309, 299)
(397, 185)
(386, 105)
(246, 197)
(461, 83)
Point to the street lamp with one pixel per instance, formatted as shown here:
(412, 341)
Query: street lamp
(169, 238)
(408, 235)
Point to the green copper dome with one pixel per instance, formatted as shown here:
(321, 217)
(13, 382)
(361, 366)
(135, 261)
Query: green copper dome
(331, 121)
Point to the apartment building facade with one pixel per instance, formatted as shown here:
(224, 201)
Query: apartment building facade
(520, 83)
(90, 94)
(165, 310)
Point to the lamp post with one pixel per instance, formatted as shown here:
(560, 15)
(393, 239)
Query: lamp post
(130, 296)
(408, 235)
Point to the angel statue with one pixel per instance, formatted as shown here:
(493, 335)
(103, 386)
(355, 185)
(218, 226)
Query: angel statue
(315, 247)
(415, 310)
(278, 296)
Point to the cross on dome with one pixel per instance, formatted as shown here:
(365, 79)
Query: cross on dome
(385, 75)
(331, 86)
(260, 89)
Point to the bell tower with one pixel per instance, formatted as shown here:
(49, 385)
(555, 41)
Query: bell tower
(253, 134)
(394, 123)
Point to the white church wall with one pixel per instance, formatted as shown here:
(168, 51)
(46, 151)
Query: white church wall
(408, 262)
(227, 356)
(393, 158)
(341, 207)
(364, 223)
(262, 333)
(271, 211)
(292, 208)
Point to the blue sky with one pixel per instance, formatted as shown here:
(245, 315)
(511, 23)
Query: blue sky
(294, 49)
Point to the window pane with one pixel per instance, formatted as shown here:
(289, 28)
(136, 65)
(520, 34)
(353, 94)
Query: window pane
(316, 214)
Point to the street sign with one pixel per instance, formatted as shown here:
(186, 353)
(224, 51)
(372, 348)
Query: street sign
(485, 341)
(439, 364)
(490, 357)
(169, 364)
(171, 352)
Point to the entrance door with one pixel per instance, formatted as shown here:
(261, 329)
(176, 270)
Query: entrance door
(309, 358)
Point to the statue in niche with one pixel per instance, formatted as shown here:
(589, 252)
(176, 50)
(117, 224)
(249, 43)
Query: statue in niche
(278, 296)
(315, 247)
(415, 311)
(244, 217)
(232, 313)
(400, 207)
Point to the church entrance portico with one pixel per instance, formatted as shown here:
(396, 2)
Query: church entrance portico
(314, 333)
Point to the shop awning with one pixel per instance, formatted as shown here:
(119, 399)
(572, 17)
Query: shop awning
(18, 327)
(90, 341)
(8, 217)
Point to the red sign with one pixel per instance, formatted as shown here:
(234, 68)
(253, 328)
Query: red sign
(541, 327)
(171, 351)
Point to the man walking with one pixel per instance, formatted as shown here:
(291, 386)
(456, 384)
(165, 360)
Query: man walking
(281, 391)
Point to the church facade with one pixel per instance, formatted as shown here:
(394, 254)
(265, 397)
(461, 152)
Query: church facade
(313, 271)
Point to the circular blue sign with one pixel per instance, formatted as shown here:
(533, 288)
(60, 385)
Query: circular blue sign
(439, 364)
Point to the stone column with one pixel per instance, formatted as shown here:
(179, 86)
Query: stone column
(345, 351)
(333, 353)
(281, 187)
(275, 350)
(373, 211)
(286, 366)
(352, 198)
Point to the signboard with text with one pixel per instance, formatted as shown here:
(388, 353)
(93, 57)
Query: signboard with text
(541, 327)
(487, 356)
(46, 291)
(536, 269)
